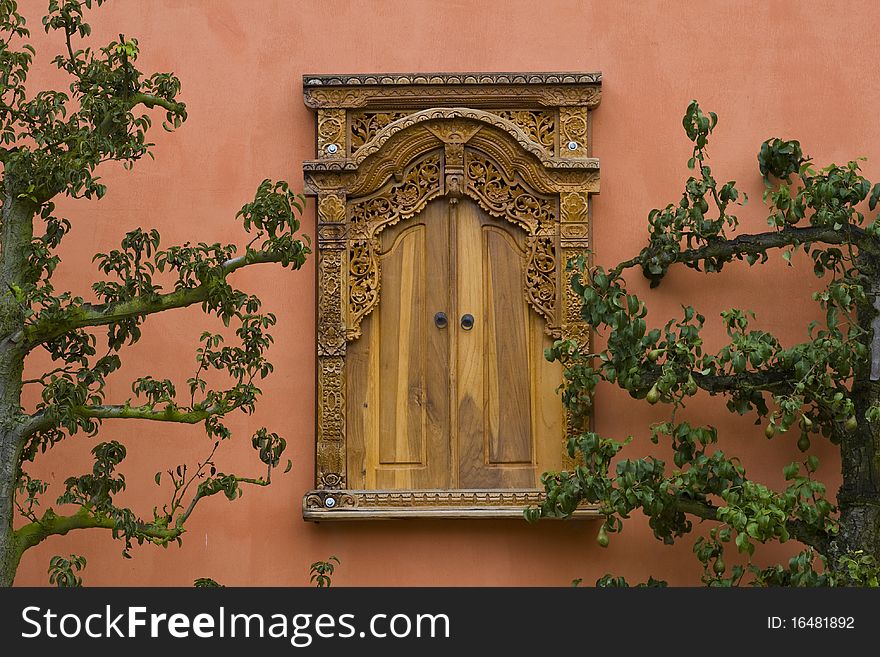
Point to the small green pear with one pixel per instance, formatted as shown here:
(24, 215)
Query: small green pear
(803, 443)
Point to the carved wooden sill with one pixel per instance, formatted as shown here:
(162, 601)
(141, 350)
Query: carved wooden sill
(321, 505)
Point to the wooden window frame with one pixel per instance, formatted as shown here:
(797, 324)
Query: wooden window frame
(535, 129)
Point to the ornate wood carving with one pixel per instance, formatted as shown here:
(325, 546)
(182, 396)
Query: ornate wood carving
(573, 131)
(365, 125)
(359, 504)
(503, 90)
(331, 421)
(437, 115)
(386, 80)
(519, 145)
(539, 125)
(331, 133)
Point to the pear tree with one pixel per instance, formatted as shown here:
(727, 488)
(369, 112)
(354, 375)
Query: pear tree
(823, 390)
(53, 143)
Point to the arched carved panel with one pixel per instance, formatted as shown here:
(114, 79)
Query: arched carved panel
(519, 146)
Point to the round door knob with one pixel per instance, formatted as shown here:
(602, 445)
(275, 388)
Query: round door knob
(467, 322)
(440, 320)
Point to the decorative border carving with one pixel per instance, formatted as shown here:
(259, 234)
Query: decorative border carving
(540, 281)
(504, 90)
(365, 125)
(401, 141)
(396, 79)
(374, 504)
(539, 125)
(573, 132)
(578, 160)
(472, 96)
(331, 419)
(331, 133)
(331, 337)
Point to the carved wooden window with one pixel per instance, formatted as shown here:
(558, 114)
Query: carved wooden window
(448, 205)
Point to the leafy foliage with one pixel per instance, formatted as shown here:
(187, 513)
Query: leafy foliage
(207, 583)
(322, 571)
(62, 572)
(52, 143)
(816, 390)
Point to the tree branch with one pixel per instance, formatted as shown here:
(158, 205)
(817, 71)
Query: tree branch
(775, 380)
(751, 244)
(102, 314)
(114, 411)
(46, 419)
(52, 524)
(798, 529)
(153, 101)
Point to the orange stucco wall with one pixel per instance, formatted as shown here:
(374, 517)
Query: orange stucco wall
(788, 69)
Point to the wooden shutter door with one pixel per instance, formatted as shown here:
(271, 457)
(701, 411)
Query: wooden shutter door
(398, 370)
(452, 407)
(496, 359)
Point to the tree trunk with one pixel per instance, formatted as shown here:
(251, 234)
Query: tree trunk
(16, 233)
(9, 551)
(859, 495)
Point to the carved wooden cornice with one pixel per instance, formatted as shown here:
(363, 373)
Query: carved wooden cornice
(526, 90)
(400, 79)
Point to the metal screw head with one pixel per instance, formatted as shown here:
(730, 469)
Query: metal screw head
(329, 502)
(572, 145)
(332, 149)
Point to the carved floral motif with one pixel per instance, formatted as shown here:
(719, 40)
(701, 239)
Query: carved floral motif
(331, 339)
(539, 125)
(331, 480)
(365, 125)
(331, 209)
(331, 391)
(573, 132)
(573, 206)
(541, 279)
(504, 198)
(331, 133)
(363, 286)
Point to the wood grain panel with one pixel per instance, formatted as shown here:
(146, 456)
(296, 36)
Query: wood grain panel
(402, 364)
(548, 415)
(399, 368)
(492, 396)
(508, 431)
